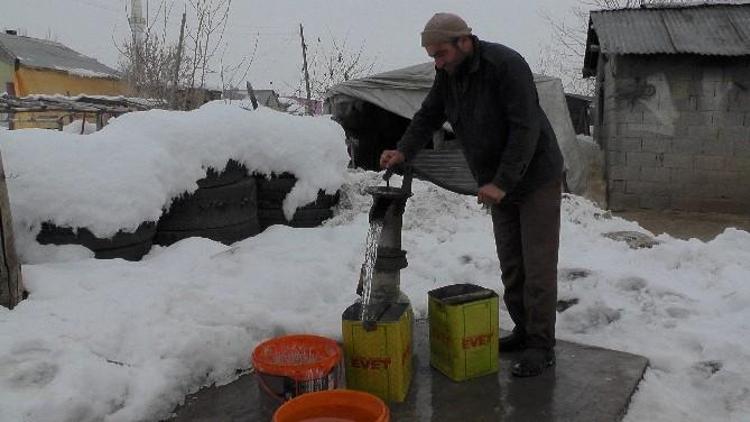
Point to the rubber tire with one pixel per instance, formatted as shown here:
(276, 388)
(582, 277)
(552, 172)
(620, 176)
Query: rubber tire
(210, 208)
(226, 235)
(324, 201)
(130, 253)
(271, 195)
(232, 173)
(130, 246)
(302, 217)
(278, 185)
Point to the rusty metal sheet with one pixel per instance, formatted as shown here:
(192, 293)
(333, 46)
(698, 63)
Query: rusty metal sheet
(446, 168)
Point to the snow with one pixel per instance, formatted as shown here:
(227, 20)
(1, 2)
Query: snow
(75, 127)
(120, 341)
(145, 102)
(85, 73)
(130, 171)
(293, 107)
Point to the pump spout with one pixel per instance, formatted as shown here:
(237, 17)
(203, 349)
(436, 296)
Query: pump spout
(379, 208)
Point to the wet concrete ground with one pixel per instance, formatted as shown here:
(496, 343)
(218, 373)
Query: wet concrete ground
(686, 225)
(587, 384)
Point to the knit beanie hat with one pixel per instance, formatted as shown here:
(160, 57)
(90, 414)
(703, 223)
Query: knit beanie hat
(443, 27)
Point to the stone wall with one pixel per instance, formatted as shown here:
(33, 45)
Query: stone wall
(676, 132)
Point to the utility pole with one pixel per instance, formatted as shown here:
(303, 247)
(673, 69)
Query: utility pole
(304, 64)
(178, 62)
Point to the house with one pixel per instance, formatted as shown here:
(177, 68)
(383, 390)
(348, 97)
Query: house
(35, 66)
(268, 98)
(302, 106)
(32, 66)
(673, 105)
(265, 97)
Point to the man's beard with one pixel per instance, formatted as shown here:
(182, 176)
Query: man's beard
(451, 68)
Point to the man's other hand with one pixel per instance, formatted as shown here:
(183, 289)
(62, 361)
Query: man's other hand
(390, 158)
(490, 194)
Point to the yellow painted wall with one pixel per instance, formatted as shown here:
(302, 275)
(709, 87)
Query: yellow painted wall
(6, 75)
(38, 81)
(44, 120)
(50, 119)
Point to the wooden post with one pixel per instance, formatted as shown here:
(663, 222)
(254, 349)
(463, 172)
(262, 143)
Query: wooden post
(11, 285)
(251, 94)
(308, 107)
(178, 61)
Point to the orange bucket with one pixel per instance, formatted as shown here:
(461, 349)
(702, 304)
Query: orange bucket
(334, 406)
(288, 366)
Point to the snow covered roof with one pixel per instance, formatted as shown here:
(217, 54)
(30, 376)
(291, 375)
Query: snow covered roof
(45, 54)
(264, 96)
(78, 103)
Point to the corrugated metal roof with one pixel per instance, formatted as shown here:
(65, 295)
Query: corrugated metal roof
(722, 30)
(44, 54)
(707, 29)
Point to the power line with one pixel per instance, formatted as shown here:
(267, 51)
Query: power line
(97, 6)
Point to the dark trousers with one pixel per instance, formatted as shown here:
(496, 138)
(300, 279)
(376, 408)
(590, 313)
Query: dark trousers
(527, 236)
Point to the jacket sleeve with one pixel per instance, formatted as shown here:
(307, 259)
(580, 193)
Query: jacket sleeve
(521, 109)
(426, 121)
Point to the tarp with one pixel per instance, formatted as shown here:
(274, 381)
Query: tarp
(402, 91)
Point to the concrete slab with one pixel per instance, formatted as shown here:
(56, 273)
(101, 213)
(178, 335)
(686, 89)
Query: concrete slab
(588, 384)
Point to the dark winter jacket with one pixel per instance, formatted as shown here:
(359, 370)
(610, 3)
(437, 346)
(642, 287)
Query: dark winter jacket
(493, 106)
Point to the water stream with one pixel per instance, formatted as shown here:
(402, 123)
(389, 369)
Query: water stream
(368, 267)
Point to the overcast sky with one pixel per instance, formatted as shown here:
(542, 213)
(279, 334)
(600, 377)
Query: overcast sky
(389, 29)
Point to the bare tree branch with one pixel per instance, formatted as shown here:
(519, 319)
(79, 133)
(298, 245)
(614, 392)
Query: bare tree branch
(333, 62)
(562, 56)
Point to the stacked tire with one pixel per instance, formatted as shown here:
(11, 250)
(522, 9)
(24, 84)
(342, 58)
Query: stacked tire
(228, 206)
(130, 246)
(223, 208)
(271, 194)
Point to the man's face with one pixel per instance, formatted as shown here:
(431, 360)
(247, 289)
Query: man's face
(447, 56)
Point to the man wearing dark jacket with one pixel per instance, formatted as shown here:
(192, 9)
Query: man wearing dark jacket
(487, 93)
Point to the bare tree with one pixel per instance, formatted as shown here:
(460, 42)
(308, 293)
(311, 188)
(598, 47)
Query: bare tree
(333, 62)
(232, 75)
(147, 63)
(563, 55)
(211, 17)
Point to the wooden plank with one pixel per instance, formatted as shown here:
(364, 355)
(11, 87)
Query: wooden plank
(11, 284)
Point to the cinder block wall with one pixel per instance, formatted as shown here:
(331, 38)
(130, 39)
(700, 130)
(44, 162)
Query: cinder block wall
(676, 132)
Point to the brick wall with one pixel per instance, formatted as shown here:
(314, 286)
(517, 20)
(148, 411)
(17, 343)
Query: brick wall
(676, 132)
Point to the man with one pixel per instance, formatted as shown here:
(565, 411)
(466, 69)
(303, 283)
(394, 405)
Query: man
(487, 93)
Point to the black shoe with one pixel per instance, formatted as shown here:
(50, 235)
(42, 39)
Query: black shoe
(533, 362)
(512, 343)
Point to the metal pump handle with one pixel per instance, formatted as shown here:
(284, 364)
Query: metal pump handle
(404, 169)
